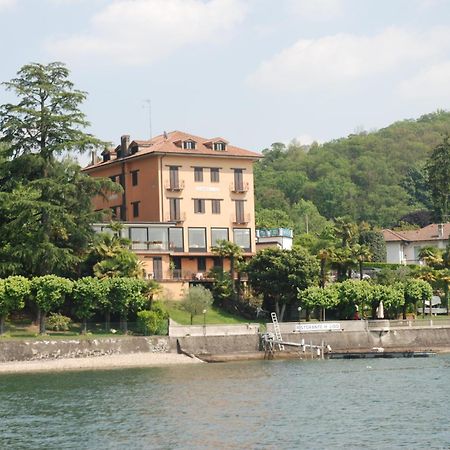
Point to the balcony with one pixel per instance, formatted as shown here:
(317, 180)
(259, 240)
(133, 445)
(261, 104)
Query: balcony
(239, 188)
(177, 218)
(240, 219)
(174, 186)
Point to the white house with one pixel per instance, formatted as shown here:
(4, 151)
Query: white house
(403, 247)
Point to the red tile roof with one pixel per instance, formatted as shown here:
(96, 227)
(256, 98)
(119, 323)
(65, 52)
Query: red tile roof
(428, 233)
(166, 144)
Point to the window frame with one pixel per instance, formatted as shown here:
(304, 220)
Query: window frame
(134, 177)
(215, 206)
(199, 206)
(198, 174)
(215, 175)
(249, 231)
(197, 249)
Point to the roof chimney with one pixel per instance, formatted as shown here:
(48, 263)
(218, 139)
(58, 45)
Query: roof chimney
(440, 228)
(124, 145)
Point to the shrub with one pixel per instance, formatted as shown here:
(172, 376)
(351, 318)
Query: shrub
(153, 321)
(58, 322)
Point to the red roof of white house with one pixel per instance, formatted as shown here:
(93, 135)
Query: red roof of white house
(428, 233)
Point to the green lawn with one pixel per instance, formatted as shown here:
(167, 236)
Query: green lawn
(213, 315)
(27, 330)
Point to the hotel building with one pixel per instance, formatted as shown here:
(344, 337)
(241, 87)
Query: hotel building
(181, 194)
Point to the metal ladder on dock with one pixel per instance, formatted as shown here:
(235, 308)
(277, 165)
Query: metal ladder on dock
(276, 329)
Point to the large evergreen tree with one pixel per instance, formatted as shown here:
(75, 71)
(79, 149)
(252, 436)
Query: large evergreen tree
(45, 202)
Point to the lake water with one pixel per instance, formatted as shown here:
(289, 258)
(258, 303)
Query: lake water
(375, 404)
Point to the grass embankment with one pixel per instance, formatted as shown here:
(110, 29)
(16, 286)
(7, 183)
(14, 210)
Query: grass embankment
(213, 315)
(28, 330)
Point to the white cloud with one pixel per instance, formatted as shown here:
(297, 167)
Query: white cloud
(141, 31)
(344, 58)
(317, 10)
(5, 4)
(430, 84)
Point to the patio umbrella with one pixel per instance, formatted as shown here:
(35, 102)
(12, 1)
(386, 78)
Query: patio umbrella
(380, 311)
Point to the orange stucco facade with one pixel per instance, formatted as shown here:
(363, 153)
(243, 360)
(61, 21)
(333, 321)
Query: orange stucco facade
(178, 201)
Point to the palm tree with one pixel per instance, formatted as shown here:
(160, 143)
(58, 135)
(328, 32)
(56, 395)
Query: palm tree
(324, 255)
(227, 249)
(362, 254)
(431, 256)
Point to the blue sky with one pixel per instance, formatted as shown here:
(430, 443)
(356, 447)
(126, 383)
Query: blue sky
(252, 71)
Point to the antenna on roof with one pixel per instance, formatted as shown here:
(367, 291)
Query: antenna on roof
(149, 105)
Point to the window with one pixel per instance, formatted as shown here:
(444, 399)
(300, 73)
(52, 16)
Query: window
(241, 237)
(115, 212)
(198, 173)
(134, 177)
(215, 175)
(197, 239)
(218, 262)
(239, 207)
(157, 268)
(138, 237)
(173, 177)
(176, 239)
(122, 180)
(201, 263)
(174, 209)
(199, 206)
(189, 145)
(215, 205)
(158, 238)
(135, 206)
(113, 178)
(219, 146)
(218, 234)
(238, 180)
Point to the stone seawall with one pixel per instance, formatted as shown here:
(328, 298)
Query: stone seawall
(407, 339)
(198, 345)
(42, 349)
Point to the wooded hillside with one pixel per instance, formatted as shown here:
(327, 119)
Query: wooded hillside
(376, 177)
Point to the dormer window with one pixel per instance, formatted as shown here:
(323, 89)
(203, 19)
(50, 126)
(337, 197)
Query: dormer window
(219, 146)
(189, 145)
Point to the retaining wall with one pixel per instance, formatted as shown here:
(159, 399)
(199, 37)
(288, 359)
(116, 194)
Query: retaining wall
(407, 339)
(213, 330)
(29, 350)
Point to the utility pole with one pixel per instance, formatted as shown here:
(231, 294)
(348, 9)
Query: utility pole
(149, 105)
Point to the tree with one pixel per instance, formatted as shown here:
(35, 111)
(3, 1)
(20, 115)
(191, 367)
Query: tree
(279, 274)
(273, 218)
(315, 297)
(49, 292)
(374, 240)
(128, 294)
(227, 249)
(53, 213)
(88, 294)
(438, 171)
(47, 119)
(415, 291)
(49, 200)
(13, 292)
(353, 295)
(196, 300)
(110, 255)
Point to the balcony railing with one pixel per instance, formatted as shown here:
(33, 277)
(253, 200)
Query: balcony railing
(239, 188)
(178, 218)
(240, 219)
(174, 186)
